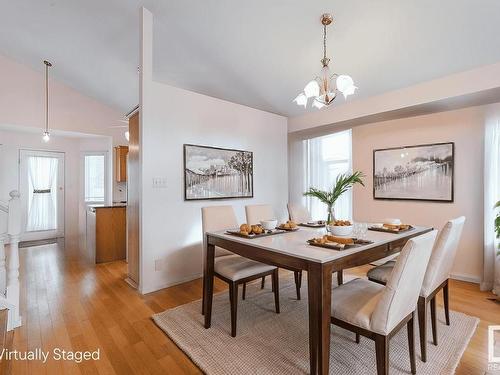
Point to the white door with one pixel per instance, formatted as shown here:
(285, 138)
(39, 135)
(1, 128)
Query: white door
(41, 184)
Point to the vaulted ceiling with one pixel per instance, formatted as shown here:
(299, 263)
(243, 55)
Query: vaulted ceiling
(257, 53)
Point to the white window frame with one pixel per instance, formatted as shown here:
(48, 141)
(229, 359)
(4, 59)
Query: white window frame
(106, 176)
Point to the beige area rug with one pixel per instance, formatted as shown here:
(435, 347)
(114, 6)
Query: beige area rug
(269, 343)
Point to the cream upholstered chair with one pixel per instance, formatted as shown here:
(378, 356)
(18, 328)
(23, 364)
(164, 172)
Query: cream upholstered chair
(232, 268)
(379, 312)
(255, 213)
(436, 278)
(298, 213)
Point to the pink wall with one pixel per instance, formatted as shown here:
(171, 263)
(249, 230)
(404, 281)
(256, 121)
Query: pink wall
(464, 127)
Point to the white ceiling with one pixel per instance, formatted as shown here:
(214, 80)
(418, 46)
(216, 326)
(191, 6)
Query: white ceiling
(259, 53)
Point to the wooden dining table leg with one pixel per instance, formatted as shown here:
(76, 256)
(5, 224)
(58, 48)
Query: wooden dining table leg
(203, 297)
(208, 284)
(319, 282)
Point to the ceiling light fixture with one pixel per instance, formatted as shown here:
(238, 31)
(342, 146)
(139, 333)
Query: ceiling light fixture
(46, 134)
(324, 88)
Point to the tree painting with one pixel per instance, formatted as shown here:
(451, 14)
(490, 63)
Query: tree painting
(211, 173)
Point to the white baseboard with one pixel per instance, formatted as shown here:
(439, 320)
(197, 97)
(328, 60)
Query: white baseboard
(468, 278)
(171, 283)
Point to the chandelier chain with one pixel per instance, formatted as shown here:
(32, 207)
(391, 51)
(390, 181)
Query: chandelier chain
(46, 97)
(324, 42)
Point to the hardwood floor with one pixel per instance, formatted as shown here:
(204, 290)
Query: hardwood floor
(68, 304)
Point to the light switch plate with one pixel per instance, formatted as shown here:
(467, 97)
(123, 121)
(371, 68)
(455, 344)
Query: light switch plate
(158, 264)
(159, 182)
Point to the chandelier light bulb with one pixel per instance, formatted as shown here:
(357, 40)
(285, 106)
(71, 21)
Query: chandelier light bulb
(46, 136)
(345, 85)
(349, 91)
(312, 89)
(301, 99)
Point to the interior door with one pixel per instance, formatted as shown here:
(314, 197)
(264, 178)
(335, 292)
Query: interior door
(41, 184)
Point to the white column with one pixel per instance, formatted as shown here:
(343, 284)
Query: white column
(14, 231)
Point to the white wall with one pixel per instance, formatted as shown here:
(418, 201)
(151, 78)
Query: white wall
(22, 107)
(10, 144)
(465, 127)
(171, 117)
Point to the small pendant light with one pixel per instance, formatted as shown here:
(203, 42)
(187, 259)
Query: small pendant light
(46, 133)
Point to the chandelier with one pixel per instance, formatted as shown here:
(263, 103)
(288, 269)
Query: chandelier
(324, 88)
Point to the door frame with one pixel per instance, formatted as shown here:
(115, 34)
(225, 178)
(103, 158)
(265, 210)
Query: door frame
(61, 208)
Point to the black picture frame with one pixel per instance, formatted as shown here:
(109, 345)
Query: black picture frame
(188, 174)
(451, 165)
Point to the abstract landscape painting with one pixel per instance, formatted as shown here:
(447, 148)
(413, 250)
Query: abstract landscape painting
(423, 172)
(217, 173)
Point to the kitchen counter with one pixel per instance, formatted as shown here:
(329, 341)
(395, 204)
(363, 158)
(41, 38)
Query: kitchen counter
(106, 232)
(93, 207)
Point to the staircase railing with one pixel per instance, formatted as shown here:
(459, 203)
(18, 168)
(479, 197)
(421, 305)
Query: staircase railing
(10, 231)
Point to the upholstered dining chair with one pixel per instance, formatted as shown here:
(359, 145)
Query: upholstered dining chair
(232, 268)
(378, 312)
(436, 278)
(298, 213)
(255, 213)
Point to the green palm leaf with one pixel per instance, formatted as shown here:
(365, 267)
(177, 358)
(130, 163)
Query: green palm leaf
(343, 183)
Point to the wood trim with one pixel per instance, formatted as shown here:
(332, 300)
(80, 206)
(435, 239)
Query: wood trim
(133, 186)
(121, 153)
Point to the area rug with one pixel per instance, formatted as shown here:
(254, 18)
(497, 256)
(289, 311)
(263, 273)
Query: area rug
(269, 343)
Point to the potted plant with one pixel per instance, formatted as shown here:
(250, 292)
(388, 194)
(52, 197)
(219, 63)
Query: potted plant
(343, 183)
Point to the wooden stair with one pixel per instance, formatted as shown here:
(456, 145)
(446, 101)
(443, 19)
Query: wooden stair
(5, 341)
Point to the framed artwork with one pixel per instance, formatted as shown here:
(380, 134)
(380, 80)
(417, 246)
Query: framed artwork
(422, 172)
(217, 173)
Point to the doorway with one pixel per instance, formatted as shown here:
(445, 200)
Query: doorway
(41, 184)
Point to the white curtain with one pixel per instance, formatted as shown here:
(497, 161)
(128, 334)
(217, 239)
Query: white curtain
(491, 275)
(327, 157)
(42, 209)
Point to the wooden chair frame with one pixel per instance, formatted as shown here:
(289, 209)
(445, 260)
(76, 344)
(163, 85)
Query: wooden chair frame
(422, 315)
(382, 341)
(233, 293)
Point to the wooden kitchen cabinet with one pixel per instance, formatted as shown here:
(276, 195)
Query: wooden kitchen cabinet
(121, 153)
(106, 233)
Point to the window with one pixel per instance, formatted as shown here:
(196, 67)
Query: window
(95, 177)
(327, 157)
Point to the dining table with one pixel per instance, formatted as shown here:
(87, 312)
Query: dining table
(290, 250)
